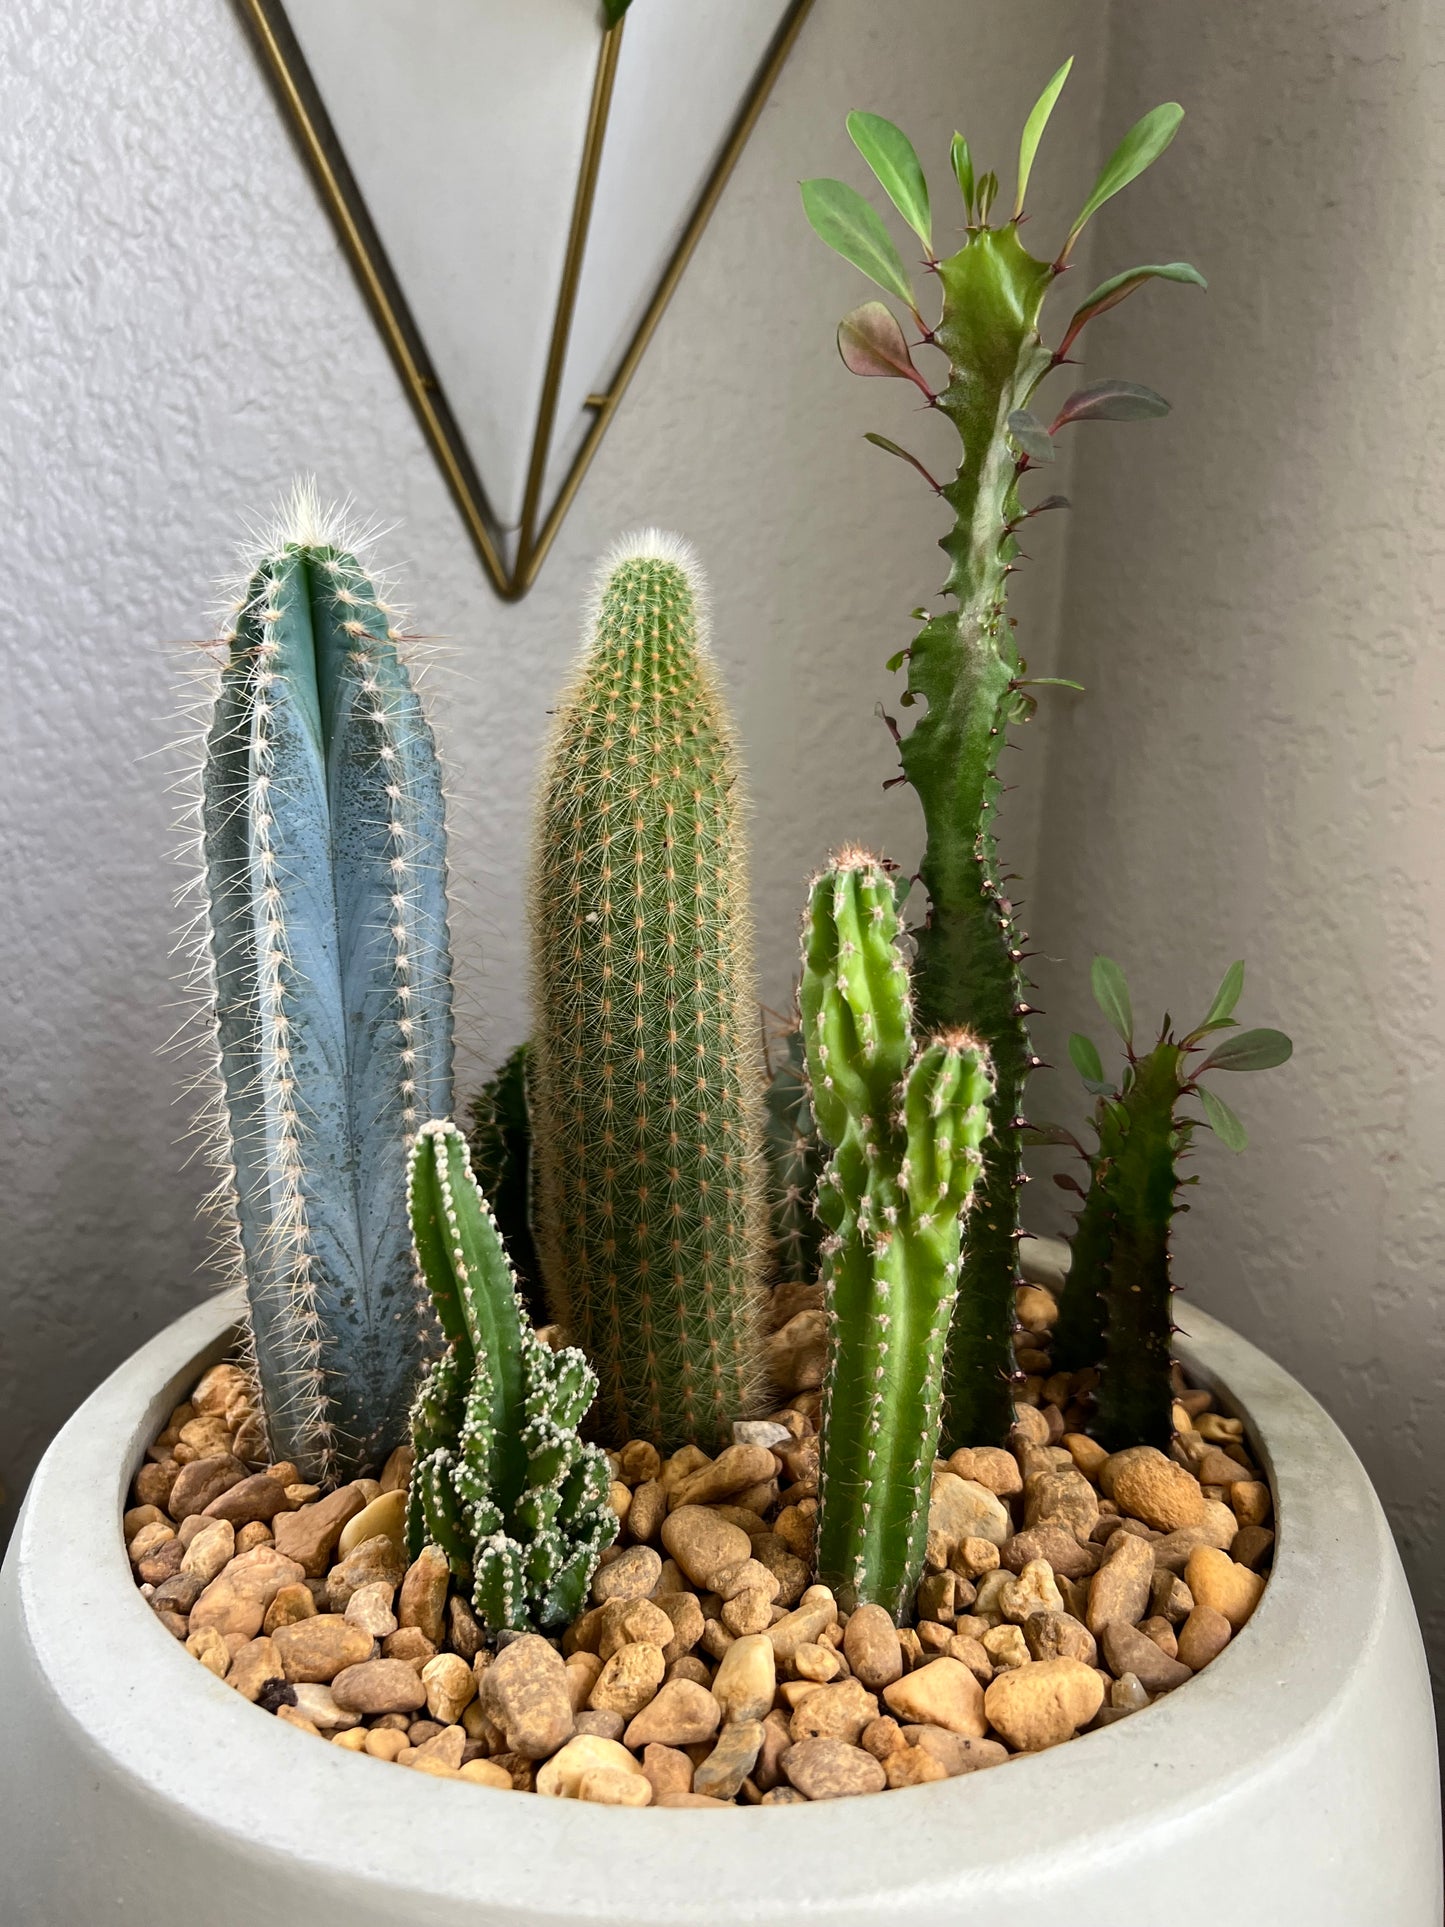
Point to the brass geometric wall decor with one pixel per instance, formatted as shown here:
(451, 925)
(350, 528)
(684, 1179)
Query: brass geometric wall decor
(519, 188)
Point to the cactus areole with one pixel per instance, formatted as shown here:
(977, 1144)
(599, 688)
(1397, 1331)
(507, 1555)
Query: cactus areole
(646, 1115)
(325, 879)
(964, 670)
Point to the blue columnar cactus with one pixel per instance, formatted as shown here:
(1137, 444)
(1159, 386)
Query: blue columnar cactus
(906, 1121)
(501, 1482)
(324, 853)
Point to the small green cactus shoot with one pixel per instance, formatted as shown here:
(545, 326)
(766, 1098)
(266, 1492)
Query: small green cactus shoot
(905, 1122)
(501, 1482)
(965, 673)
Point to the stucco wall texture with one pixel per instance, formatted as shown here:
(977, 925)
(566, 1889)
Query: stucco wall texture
(1247, 589)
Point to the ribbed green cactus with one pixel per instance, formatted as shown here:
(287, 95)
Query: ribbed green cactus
(906, 1123)
(1079, 1331)
(646, 1130)
(965, 673)
(324, 871)
(1134, 1193)
(795, 1163)
(501, 1483)
(500, 1138)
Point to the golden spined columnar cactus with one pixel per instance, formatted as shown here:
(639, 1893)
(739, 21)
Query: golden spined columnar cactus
(646, 1103)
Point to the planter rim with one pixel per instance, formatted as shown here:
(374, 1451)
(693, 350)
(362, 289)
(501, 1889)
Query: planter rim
(163, 1722)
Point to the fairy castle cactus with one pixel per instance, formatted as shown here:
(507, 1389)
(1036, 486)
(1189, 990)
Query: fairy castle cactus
(646, 1129)
(1125, 1223)
(501, 1483)
(328, 964)
(905, 1121)
(964, 669)
(795, 1164)
(500, 1141)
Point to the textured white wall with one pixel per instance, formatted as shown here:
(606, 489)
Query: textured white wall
(1254, 598)
(182, 337)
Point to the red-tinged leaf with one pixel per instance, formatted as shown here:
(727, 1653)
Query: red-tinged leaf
(1049, 502)
(872, 343)
(1110, 293)
(1031, 435)
(892, 448)
(1110, 401)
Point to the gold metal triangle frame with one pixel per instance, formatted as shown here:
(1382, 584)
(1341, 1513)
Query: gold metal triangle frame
(302, 102)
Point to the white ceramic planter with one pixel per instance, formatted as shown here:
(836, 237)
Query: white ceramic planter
(1293, 1782)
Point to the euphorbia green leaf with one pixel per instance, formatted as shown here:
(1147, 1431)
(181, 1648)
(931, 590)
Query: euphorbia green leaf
(963, 169)
(1227, 995)
(889, 152)
(1251, 1050)
(1145, 141)
(851, 227)
(1222, 1121)
(1085, 1058)
(871, 343)
(1111, 401)
(1033, 132)
(1031, 435)
(892, 448)
(1111, 994)
(1110, 293)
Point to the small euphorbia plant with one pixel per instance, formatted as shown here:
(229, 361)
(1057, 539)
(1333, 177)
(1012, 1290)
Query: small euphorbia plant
(1116, 1309)
(964, 669)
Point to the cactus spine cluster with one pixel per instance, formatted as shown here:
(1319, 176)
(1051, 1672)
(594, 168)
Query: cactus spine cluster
(905, 1122)
(501, 1483)
(963, 666)
(324, 859)
(651, 1211)
(1121, 1243)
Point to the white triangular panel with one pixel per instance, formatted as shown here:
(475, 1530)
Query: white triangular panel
(464, 124)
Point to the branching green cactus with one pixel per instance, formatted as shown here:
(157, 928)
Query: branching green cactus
(795, 1164)
(501, 1145)
(1133, 1196)
(328, 966)
(963, 666)
(906, 1123)
(646, 1127)
(501, 1483)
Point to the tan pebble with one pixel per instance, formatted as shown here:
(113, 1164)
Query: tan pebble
(318, 1648)
(383, 1518)
(411, 1644)
(201, 1481)
(377, 1561)
(150, 1539)
(608, 1726)
(989, 1466)
(1043, 1703)
(450, 1687)
(252, 1666)
(1088, 1455)
(236, 1599)
(716, 1639)
(689, 1800)
(1127, 1694)
(351, 1739)
(422, 1599)
(721, 1774)
(913, 1766)
(300, 1493)
(815, 1662)
(610, 1786)
(292, 1603)
(933, 1636)
(647, 1511)
(638, 1461)
(1221, 1583)
(1033, 1591)
(870, 1644)
(1203, 1637)
(686, 1617)
(796, 1525)
(1249, 1499)
(750, 1611)
(309, 1534)
(446, 1748)
(420, 1762)
(792, 1692)
(667, 1768)
(257, 1533)
(975, 1557)
(703, 1544)
(682, 1714)
(254, 1500)
(190, 1529)
(1058, 1635)
(1222, 1430)
(1169, 1597)
(1120, 1588)
(211, 1650)
(943, 1693)
(216, 1387)
(797, 1354)
(936, 1596)
(957, 1752)
(748, 1575)
(486, 1773)
(629, 1680)
(815, 1611)
(561, 1777)
(826, 1769)
(1037, 1308)
(881, 1737)
(768, 1771)
(1061, 1497)
(734, 1469)
(630, 1622)
(1128, 1650)
(396, 1473)
(971, 1653)
(318, 1703)
(631, 1575)
(619, 1497)
(524, 1692)
(962, 1509)
(1142, 1481)
(1251, 1545)
(746, 1678)
(288, 1716)
(1059, 1548)
(386, 1743)
(583, 1671)
(1219, 1525)
(379, 1686)
(137, 1516)
(835, 1712)
(1158, 1628)
(686, 1460)
(369, 1607)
